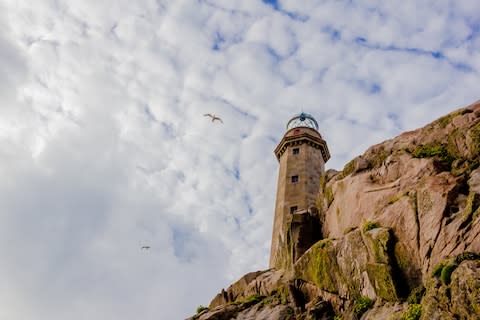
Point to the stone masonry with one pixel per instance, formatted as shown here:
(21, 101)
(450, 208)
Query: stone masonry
(302, 154)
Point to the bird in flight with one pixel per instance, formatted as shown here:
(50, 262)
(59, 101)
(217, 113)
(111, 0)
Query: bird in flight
(145, 247)
(213, 117)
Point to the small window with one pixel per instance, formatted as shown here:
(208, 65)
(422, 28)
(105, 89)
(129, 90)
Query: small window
(294, 179)
(296, 150)
(293, 209)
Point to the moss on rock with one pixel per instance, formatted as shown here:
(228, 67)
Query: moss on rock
(370, 225)
(377, 240)
(319, 265)
(397, 197)
(361, 305)
(377, 158)
(329, 195)
(434, 150)
(475, 144)
(413, 312)
(472, 208)
(445, 120)
(381, 278)
(416, 295)
(348, 169)
(437, 270)
(446, 273)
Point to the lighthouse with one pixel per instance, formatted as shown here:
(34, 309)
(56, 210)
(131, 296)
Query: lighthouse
(302, 154)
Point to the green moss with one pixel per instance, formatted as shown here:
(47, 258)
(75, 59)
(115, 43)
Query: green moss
(377, 245)
(476, 214)
(348, 230)
(466, 256)
(434, 150)
(323, 181)
(370, 225)
(464, 166)
(475, 135)
(413, 312)
(338, 212)
(378, 158)
(283, 294)
(361, 305)
(329, 195)
(425, 201)
(337, 318)
(416, 295)
(446, 274)
(249, 301)
(401, 253)
(319, 266)
(459, 167)
(381, 277)
(453, 138)
(348, 169)
(437, 270)
(472, 208)
(397, 197)
(201, 308)
(445, 120)
(324, 243)
(279, 296)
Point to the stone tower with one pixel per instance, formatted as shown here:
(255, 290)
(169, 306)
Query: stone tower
(302, 154)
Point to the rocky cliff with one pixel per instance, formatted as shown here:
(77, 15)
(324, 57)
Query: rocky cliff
(400, 237)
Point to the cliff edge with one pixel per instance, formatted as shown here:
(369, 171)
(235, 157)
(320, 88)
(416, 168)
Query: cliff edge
(400, 237)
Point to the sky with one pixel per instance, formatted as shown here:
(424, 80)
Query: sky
(104, 147)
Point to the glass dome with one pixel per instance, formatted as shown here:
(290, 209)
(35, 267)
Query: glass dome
(302, 120)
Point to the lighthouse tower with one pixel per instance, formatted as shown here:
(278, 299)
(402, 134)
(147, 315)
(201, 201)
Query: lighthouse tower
(302, 154)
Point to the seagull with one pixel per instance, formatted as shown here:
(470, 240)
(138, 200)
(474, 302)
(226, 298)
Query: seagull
(145, 247)
(214, 117)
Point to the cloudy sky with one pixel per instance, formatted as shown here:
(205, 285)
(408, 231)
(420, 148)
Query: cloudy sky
(104, 147)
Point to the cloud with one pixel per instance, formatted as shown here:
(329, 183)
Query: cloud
(104, 147)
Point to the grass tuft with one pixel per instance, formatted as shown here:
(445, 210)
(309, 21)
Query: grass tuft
(446, 275)
(413, 312)
(370, 225)
(361, 305)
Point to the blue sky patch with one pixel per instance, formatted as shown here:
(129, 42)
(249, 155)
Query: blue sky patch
(149, 113)
(273, 54)
(392, 116)
(273, 3)
(334, 34)
(360, 40)
(375, 88)
(292, 15)
(218, 41)
(180, 239)
(438, 55)
(236, 173)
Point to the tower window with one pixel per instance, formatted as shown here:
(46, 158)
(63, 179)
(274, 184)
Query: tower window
(293, 209)
(294, 179)
(296, 150)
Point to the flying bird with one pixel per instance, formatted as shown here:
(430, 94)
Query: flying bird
(145, 247)
(213, 117)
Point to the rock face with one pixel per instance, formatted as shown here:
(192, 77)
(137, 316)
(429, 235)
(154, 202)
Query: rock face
(400, 237)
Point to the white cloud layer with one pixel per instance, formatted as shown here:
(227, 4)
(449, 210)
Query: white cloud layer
(104, 147)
